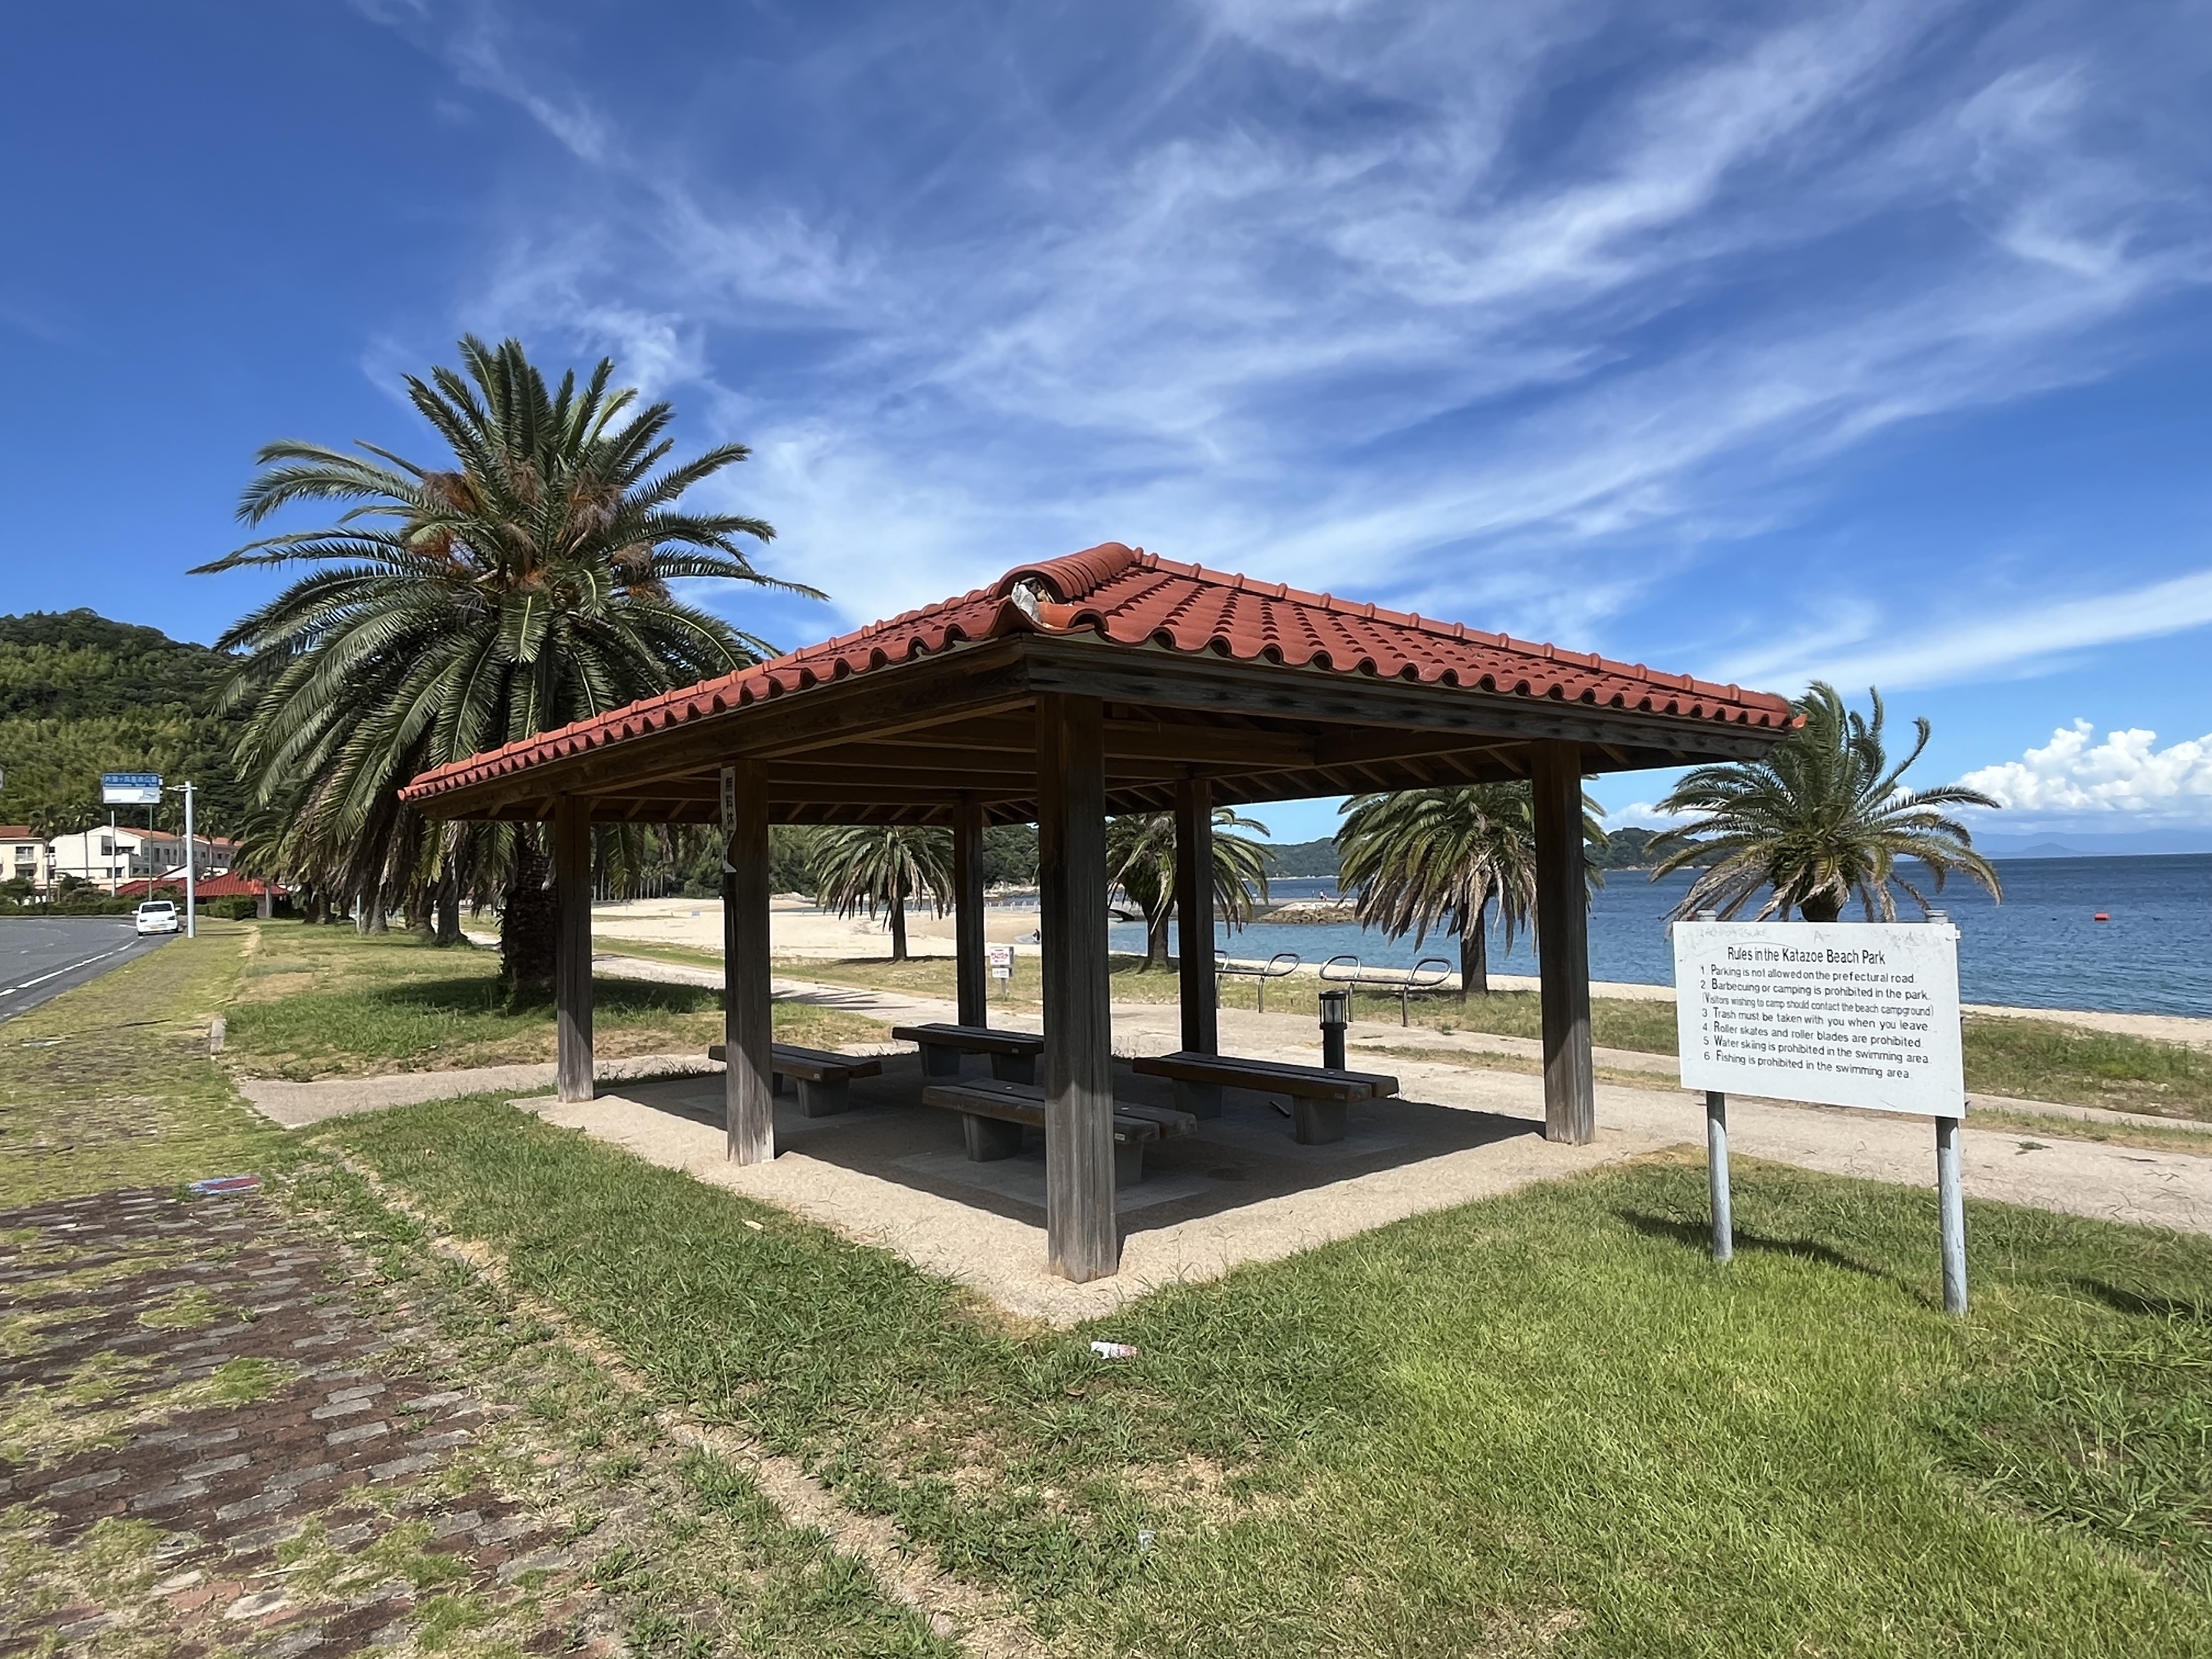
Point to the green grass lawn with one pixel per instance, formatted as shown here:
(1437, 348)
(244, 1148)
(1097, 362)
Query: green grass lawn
(325, 1001)
(111, 1085)
(1544, 1423)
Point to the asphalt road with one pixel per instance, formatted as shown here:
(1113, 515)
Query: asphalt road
(40, 958)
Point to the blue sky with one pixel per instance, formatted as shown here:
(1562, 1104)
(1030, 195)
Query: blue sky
(1867, 341)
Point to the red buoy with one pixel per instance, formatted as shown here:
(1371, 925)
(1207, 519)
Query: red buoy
(2101, 916)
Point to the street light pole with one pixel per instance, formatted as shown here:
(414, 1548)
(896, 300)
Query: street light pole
(191, 872)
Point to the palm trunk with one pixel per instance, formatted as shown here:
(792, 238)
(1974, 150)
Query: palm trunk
(898, 922)
(1475, 960)
(529, 927)
(1156, 941)
(449, 908)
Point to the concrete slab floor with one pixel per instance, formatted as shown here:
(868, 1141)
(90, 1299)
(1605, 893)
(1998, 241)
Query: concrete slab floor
(892, 1173)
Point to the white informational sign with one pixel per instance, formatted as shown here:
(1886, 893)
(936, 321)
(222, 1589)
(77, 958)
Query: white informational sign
(1837, 1013)
(130, 788)
(1002, 961)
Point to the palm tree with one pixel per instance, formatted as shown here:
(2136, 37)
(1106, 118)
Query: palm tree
(523, 586)
(861, 866)
(1423, 860)
(1141, 856)
(1823, 816)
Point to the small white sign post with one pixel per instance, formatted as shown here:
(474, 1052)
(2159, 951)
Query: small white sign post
(1837, 1013)
(1002, 963)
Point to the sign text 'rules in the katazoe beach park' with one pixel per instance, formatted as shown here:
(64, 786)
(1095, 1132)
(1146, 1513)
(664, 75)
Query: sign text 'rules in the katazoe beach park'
(1837, 1013)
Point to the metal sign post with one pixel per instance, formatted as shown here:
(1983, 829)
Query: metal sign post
(1951, 1198)
(126, 789)
(1859, 1014)
(1716, 1175)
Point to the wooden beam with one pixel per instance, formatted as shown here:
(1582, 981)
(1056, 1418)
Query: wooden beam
(1193, 824)
(951, 687)
(572, 953)
(749, 1082)
(1168, 680)
(1563, 944)
(1082, 1237)
(972, 968)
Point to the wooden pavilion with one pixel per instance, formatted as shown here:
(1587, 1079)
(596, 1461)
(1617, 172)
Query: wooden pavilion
(1108, 681)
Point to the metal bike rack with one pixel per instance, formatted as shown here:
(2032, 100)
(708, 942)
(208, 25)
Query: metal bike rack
(1404, 987)
(1281, 963)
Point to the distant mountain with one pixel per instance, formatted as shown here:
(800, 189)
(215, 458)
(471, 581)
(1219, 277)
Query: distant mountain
(2075, 844)
(81, 694)
(1303, 858)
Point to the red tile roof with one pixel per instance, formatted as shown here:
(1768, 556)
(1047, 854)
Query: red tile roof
(208, 887)
(1132, 597)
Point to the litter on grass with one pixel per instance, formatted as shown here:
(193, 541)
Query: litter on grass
(245, 1183)
(1113, 1350)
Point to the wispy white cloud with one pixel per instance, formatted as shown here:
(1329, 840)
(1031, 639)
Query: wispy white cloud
(2029, 635)
(1374, 294)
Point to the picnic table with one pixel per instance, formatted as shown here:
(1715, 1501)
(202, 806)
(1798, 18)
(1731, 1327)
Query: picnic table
(1013, 1054)
(1320, 1098)
(821, 1076)
(994, 1116)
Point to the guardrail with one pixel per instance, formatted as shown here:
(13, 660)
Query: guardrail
(1283, 963)
(1404, 986)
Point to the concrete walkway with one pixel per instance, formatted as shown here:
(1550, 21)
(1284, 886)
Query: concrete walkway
(295, 1105)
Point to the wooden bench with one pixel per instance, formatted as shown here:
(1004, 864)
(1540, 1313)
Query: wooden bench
(994, 1115)
(1319, 1098)
(820, 1076)
(1013, 1054)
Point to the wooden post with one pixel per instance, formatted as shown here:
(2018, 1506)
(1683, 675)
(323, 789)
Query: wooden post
(572, 945)
(1193, 874)
(1082, 1241)
(1563, 943)
(749, 1080)
(972, 968)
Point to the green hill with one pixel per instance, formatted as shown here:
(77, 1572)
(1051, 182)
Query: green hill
(80, 695)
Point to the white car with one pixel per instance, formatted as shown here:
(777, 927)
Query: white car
(156, 916)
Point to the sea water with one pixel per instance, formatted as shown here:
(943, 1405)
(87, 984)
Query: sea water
(2040, 948)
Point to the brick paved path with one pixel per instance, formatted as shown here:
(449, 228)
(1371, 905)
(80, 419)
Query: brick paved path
(207, 1443)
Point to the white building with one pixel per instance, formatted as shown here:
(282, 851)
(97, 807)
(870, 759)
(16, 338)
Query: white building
(25, 856)
(104, 856)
